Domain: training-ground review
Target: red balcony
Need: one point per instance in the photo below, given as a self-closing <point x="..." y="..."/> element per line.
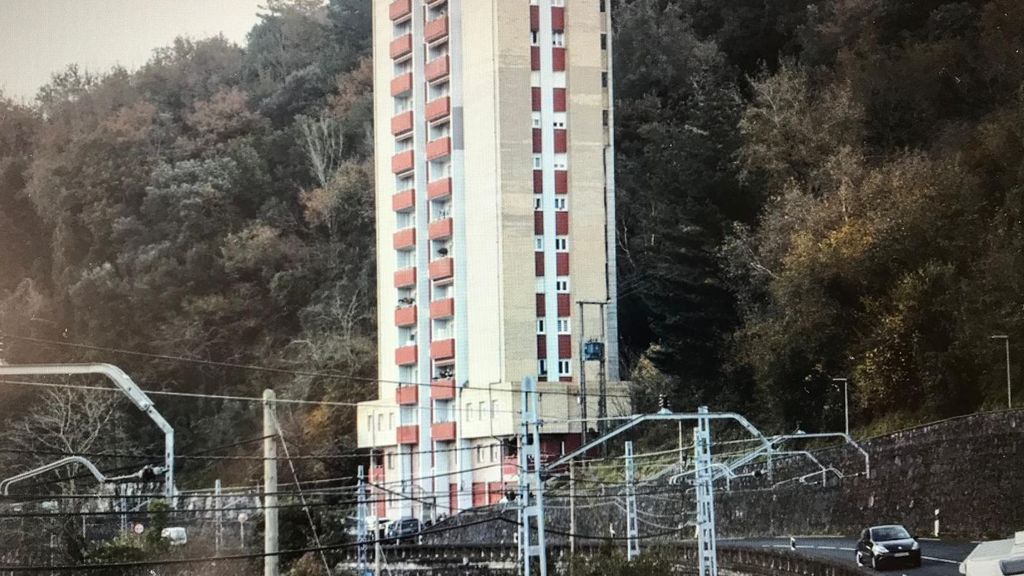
<point x="561" y="141"/>
<point x="558" y="59"/>
<point x="439" y="148"/>
<point x="542" y="305"/>
<point x="401" y="123"/>
<point x="442" y="308"/>
<point x="438" y="108"/>
<point x="557" y="18"/>
<point x="542" y="346"/>
<point x="439" y="188"/>
<point x="535" y="58"/>
<point x="403" y="201"/>
<point x="442" y="389"/>
<point x="562" y="263"/>
<point x="405" y="277"/>
<point x="561" y="181"/>
<point x="405" y="239"/>
<point x="538" y="222"/>
<point x="405" y="355"/>
<point x="564" y="306"/>
<point x="377" y="474"/>
<point x="561" y="223"/>
<point x="442" y="349"/>
<point x="402" y="162"/>
<point x="559" y="99"/>
<point x="538" y="141"/>
<point x="443" y="431"/>
<point x="408" y="434"/>
<point x="440" y="229"/>
<point x="400" y="9"/>
<point x="407" y="395"/>
<point x="401" y="84"/>
<point x="436" y="68"/>
<point x="405" y="316"/>
<point x="436" y="29"/>
<point x="401" y="46"/>
<point x="442" y="268"/>
<point x="564" y="346"/>
<point x="510" y="466"/>
<point x="538" y="264"/>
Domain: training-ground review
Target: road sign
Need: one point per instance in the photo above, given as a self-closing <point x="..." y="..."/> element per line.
<point x="138" y="528"/>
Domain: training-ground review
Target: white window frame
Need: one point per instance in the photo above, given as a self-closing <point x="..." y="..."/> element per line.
<point x="562" y="285"/>
<point x="564" y="326"/>
<point x="540" y="326"/>
<point x="565" y="367"/>
<point x="561" y="243"/>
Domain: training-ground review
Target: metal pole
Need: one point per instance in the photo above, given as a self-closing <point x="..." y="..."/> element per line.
<point x="1009" y="392"/>
<point x="602" y="399"/>
<point x="531" y="515"/>
<point x="361" y="532"/>
<point x="846" y="401"/>
<point x="271" y="562"/>
<point x="583" y="377"/>
<point x="218" y="538"/>
<point x="705" y="495"/>
<point x="572" y="509"/>
<point x="632" y="529"/>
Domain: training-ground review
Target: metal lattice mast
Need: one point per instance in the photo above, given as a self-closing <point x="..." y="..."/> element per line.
<point x="704" y="482"/>
<point x="531" y="514"/>
<point x="362" y="534"/>
<point x="632" y="530"/>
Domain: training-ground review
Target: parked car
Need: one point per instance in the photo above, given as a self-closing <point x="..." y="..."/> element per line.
<point x="404" y="528"/>
<point x="888" y="545"/>
<point x="996" y="558"/>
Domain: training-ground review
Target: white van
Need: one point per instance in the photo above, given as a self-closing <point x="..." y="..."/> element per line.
<point x="996" y="558"/>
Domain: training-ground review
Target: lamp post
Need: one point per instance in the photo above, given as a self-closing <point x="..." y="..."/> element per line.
<point x="1006" y="340"/>
<point x="846" y="401"/>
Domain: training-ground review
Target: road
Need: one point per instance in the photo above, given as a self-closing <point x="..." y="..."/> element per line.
<point x="939" y="558"/>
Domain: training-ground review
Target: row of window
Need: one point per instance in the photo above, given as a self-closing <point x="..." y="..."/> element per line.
<point x="564" y="326"/>
<point x="561" y="285"/>
<point x="564" y="367"/>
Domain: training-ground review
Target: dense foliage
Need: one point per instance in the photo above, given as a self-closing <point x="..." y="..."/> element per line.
<point x="818" y="190"/>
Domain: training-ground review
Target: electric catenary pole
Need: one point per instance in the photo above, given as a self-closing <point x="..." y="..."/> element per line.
<point x="531" y="487"/>
<point x="632" y="529"/>
<point x="362" y="535"/>
<point x="704" y="479"/>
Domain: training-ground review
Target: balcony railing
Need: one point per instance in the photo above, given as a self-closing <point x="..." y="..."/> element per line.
<point x="438" y="108"/>
<point x="405" y="355"/>
<point x="401" y="84"/>
<point x="403" y="201"/>
<point x="442" y="349"/>
<point x="442" y="389"/>
<point x="406" y="395"/>
<point x="401" y="46"/>
<point x="401" y="123"/>
<point x="444" y="308"/>
<point x="408" y="434"/>
<point x="442" y="268"/>
<point x="439" y="188"/>
<point x="437" y="68"/>
<point x="400" y="9"/>
<point x="439" y="229"/>
<point x="405" y="277"/>
<point x="405" y="316"/>
<point x="439" y="148"/>
<point x="404" y="239"/>
<point x="443" y="431"/>
<point x="436" y="29"/>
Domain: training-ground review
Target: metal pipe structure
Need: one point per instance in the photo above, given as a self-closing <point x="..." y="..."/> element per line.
<point x="130" y="389"/>
<point x="6" y="484"/>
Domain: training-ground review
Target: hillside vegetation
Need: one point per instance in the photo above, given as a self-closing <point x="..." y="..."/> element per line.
<point x="807" y="190"/>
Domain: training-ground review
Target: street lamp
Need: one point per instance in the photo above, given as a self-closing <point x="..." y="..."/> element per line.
<point x="1006" y="339"/>
<point x="846" y="401"/>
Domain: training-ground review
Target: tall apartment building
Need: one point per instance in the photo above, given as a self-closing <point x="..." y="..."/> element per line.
<point x="495" y="218"/>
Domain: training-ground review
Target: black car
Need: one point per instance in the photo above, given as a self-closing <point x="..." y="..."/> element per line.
<point x="888" y="545"/>
<point x="404" y="528"/>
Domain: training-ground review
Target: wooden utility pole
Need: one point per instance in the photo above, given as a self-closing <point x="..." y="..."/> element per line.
<point x="271" y="564"/>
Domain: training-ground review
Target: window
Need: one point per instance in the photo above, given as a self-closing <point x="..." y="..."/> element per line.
<point x="603" y="7"/>
<point x="469" y="411"/>
<point x="494" y="452"/>
<point x="538" y="243"/>
<point x="479" y="453"/>
<point x="558" y="39"/>
<point x="391" y="460"/>
<point x="604" y="79"/>
<point x="494" y="407"/>
<point x="391" y="420"/>
<point x="542" y="367"/>
<point x="369" y="422"/>
<point x="562" y="285"/>
<point x="561" y="203"/>
<point x="407" y="415"/>
<point x="559" y="124"/>
<point x="564" y="367"/>
<point x="540" y="326"/>
<point x="563" y="325"/>
<point x="533" y="38"/>
<point x="604" y="117"/>
<point x="539" y="283"/>
<point x="561" y="161"/>
<point x="561" y="244"/>
<point x="380" y="422"/>
<point x="538" y="201"/>
<point x="536" y="120"/>
<point x="604" y="41"/>
<point x="537" y="162"/>
<point x="482" y="407"/>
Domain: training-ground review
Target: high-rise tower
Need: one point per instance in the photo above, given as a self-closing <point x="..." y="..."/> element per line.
<point x="495" y="218"/>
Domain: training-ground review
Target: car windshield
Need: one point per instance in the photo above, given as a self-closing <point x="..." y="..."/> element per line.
<point x="886" y="533"/>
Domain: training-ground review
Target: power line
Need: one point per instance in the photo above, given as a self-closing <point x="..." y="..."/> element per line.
<point x="255" y="368"/>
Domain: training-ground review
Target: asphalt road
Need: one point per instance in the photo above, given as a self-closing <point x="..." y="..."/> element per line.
<point x="939" y="558"/>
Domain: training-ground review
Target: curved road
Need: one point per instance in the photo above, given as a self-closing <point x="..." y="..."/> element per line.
<point x="939" y="557"/>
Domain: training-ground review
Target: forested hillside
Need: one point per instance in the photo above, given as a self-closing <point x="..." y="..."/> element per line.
<point x="808" y="190"/>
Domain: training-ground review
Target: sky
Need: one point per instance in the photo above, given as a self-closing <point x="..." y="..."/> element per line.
<point x="40" y="37"/>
